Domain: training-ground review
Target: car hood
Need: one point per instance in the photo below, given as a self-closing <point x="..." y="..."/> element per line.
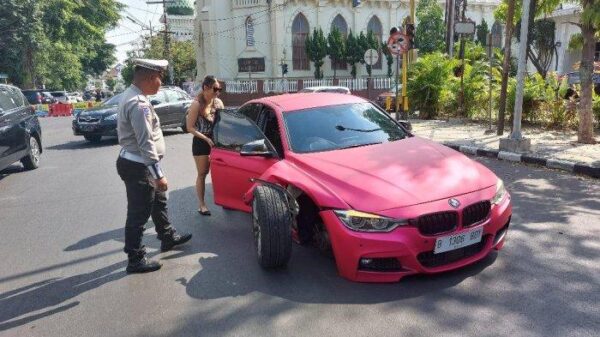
<point x="100" y="111"/>
<point x="395" y="174"/>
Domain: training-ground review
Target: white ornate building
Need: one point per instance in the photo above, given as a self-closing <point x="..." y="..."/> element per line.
<point x="180" y="19"/>
<point x="241" y="39"/>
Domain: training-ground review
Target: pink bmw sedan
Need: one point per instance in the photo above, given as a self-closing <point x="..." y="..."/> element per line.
<point x="336" y="172"/>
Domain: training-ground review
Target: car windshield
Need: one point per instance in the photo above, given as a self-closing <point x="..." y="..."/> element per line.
<point x="58" y="93"/>
<point x="113" y="100"/>
<point x="340" y="127"/>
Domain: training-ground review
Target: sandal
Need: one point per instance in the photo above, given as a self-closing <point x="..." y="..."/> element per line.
<point x="206" y="213"/>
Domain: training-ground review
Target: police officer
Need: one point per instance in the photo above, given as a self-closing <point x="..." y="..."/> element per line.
<point x="138" y="166"/>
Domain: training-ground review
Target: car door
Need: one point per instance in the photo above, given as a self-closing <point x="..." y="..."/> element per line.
<point x="161" y="106"/>
<point x="12" y="133"/>
<point x="174" y="107"/>
<point x="230" y="172"/>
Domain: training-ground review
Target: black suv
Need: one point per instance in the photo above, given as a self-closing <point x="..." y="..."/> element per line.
<point x="36" y="96"/>
<point x="20" y="131"/>
<point x="170" y="103"/>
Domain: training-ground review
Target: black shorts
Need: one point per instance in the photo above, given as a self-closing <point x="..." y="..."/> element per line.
<point x="200" y="147"/>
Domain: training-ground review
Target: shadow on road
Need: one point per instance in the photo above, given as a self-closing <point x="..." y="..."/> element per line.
<point x="84" y="144"/>
<point x="14" y="168"/>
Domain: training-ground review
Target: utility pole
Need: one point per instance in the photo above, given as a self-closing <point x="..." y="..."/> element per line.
<point x="505" y="67"/>
<point x="167" y="43"/>
<point x="451" y="29"/>
<point x="516" y="142"/>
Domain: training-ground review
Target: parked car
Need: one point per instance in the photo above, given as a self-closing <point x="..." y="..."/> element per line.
<point x="76" y="96"/>
<point x="381" y="98"/>
<point x="63" y="97"/>
<point x="337" y="89"/>
<point x="338" y="172"/>
<point x="20" y="131"/>
<point x="36" y="96"/>
<point x="171" y="105"/>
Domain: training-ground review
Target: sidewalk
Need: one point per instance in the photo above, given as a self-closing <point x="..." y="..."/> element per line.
<point x="551" y="148"/>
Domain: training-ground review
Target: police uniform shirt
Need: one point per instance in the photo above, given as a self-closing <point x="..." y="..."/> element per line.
<point x="139" y="130"/>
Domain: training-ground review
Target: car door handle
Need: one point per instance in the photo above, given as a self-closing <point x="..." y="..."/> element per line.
<point x="219" y="160"/>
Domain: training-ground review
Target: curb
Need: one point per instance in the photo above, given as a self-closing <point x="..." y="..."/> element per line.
<point x="563" y="165"/>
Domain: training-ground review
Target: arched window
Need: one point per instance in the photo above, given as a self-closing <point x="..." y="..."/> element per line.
<point x="249" y="32"/>
<point x="374" y="26"/>
<point x="300" y="32"/>
<point x="341" y="25"/>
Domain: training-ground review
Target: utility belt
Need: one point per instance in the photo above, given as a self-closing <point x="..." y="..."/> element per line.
<point x="131" y="156"/>
<point x="154" y="169"/>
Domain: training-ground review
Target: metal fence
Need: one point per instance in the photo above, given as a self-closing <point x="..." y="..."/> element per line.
<point x="354" y="83"/>
<point x="241" y="87"/>
<point x="382" y="83"/>
<point x="280" y="85"/>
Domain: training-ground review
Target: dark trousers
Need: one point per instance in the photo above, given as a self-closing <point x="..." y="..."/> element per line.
<point x="143" y="201"/>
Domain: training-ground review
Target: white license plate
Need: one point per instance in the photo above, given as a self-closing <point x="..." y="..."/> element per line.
<point x="455" y="241"/>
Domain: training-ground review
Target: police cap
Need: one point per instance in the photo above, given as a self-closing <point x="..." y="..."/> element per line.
<point x="156" y="65"/>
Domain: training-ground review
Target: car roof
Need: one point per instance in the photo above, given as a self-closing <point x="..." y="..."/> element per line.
<point x="326" y="88"/>
<point x="299" y="101"/>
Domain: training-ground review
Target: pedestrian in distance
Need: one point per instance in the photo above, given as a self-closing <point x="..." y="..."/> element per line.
<point x="200" y="123"/>
<point x="138" y="165"/>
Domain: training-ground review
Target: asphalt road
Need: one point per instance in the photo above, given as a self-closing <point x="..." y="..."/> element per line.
<point x="62" y="266"/>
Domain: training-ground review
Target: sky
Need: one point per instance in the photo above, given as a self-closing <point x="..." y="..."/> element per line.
<point x="126" y="36"/>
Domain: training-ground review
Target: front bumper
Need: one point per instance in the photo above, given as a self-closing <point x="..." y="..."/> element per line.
<point x="405" y="251"/>
<point x="103" y="128"/>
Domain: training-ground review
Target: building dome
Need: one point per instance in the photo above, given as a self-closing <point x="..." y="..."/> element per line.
<point x="180" y="7"/>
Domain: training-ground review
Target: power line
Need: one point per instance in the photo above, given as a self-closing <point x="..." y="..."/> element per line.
<point x="279" y="7"/>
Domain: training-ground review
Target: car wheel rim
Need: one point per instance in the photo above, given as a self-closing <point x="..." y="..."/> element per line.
<point x="256" y="228"/>
<point x="35" y="150"/>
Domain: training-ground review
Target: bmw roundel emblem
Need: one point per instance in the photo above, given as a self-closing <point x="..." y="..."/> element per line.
<point x="454" y="203"/>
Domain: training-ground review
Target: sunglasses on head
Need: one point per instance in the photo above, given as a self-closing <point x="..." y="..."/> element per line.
<point x="215" y="89"/>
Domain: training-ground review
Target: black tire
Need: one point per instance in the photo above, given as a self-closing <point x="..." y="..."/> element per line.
<point x="32" y="160"/>
<point x="93" y="138"/>
<point x="271" y="226"/>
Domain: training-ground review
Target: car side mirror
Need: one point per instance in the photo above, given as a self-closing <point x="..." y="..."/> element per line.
<point x="257" y="148"/>
<point x="406" y="124"/>
<point x="155" y="102"/>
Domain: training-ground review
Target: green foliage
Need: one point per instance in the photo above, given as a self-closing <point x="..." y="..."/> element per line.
<point x="336" y="47"/>
<point x="355" y="51"/>
<point x="111" y="83"/>
<point x="371" y="43"/>
<point x="183" y="56"/>
<point x="388" y="57"/>
<point x="429" y="34"/>
<point x="428" y="83"/>
<point x="316" y="50"/>
<point x="482" y="32"/>
<point x="56" y="43"/>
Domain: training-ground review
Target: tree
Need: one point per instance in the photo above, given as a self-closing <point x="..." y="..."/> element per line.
<point x="110" y="83"/>
<point x="316" y="50"/>
<point x="183" y="57"/>
<point x="541" y="46"/>
<point x="388" y="57"/>
<point x="355" y="52"/>
<point x="371" y="43"/>
<point x="482" y="32"/>
<point x="429" y="34"/>
<point x="336" y="48"/>
<point x="56" y="43"/>
<point x="590" y="27"/>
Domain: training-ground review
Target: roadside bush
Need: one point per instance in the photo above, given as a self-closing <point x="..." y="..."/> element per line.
<point x="428" y="78"/>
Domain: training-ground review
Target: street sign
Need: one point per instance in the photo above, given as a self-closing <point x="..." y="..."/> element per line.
<point x="371" y="57"/>
<point x="397" y="43"/>
<point x="465" y="27"/>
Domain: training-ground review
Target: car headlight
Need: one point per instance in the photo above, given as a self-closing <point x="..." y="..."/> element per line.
<point x="365" y="222"/>
<point x="112" y="117"/>
<point x="500" y="192"/>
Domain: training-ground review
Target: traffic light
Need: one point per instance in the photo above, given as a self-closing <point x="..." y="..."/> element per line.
<point x="284" y="68"/>
<point x="410" y="33"/>
<point x="355" y="3"/>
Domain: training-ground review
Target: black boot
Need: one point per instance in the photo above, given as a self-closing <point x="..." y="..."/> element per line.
<point x="173" y="239"/>
<point x="138" y="263"/>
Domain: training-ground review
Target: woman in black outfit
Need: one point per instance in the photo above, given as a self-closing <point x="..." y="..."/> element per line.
<point x="200" y="121"/>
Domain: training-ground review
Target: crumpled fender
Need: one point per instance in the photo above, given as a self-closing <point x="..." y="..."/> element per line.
<point x="284" y="173"/>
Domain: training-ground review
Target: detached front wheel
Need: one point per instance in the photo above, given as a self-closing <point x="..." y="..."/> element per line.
<point x="271" y="226"/>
